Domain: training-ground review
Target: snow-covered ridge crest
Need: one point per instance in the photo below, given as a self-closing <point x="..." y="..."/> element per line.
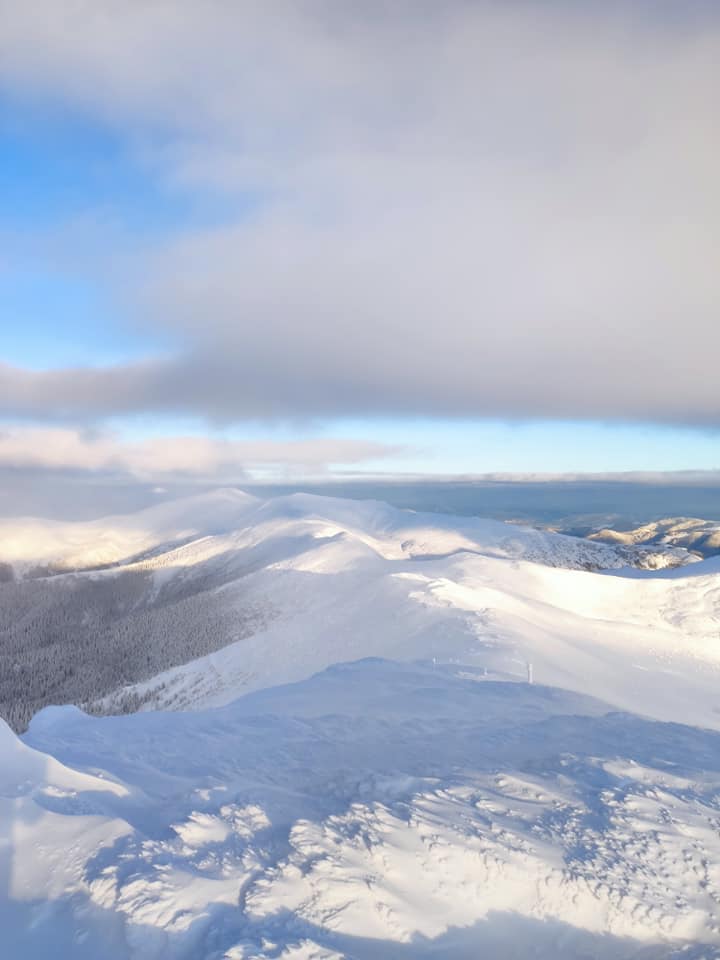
<point x="225" y="593"/>
<point x="392" y="532"/>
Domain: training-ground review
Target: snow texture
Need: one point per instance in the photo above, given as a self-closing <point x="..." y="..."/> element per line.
<point x="388" y="784"/>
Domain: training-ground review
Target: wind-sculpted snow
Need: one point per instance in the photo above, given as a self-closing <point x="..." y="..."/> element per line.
<point x="375" y="810"/>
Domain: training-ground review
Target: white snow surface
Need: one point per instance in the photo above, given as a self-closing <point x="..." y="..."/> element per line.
<point x="370" y="775"/>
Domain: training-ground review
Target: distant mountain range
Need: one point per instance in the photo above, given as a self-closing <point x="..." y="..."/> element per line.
<point x="700" y="537"/>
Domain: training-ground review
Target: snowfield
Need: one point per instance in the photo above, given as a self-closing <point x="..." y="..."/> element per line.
<point x="368" y="772"/>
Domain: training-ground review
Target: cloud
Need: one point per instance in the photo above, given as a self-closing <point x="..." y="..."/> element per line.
<point x="180" y="458"/>
<point x="458" y="209"/>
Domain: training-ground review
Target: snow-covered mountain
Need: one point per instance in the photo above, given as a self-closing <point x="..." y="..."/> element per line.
<point x="688" y="533"/>
<point x="30" y="545"/>
<point x="27" y="543"/>
<point x="411" y="735"/>
<point x="175" y="584"/>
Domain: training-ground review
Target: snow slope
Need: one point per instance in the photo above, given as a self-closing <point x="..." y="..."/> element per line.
<point x="409" y="794"/>
<point x="182" y="580"/>
<point x="344" y="580"/>
<point x="375" y="810"/>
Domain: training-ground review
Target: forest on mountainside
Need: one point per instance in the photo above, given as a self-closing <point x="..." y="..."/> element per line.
<point x="76" y="638"/>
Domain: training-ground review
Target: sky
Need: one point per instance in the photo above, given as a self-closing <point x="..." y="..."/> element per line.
<point x="321" y="237"/>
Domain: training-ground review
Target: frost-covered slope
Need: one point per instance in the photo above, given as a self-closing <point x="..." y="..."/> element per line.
<point x="376" y="810"/>
<point x="426" y="802"/>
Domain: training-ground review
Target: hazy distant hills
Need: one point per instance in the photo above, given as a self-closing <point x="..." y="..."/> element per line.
<point x="376" y="733"/>
<point x="701" y="537"/>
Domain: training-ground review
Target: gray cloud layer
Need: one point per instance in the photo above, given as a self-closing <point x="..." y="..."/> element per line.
<point x="505" y="209"/>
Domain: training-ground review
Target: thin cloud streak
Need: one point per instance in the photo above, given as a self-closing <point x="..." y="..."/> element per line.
<point x="181" y="457"/>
